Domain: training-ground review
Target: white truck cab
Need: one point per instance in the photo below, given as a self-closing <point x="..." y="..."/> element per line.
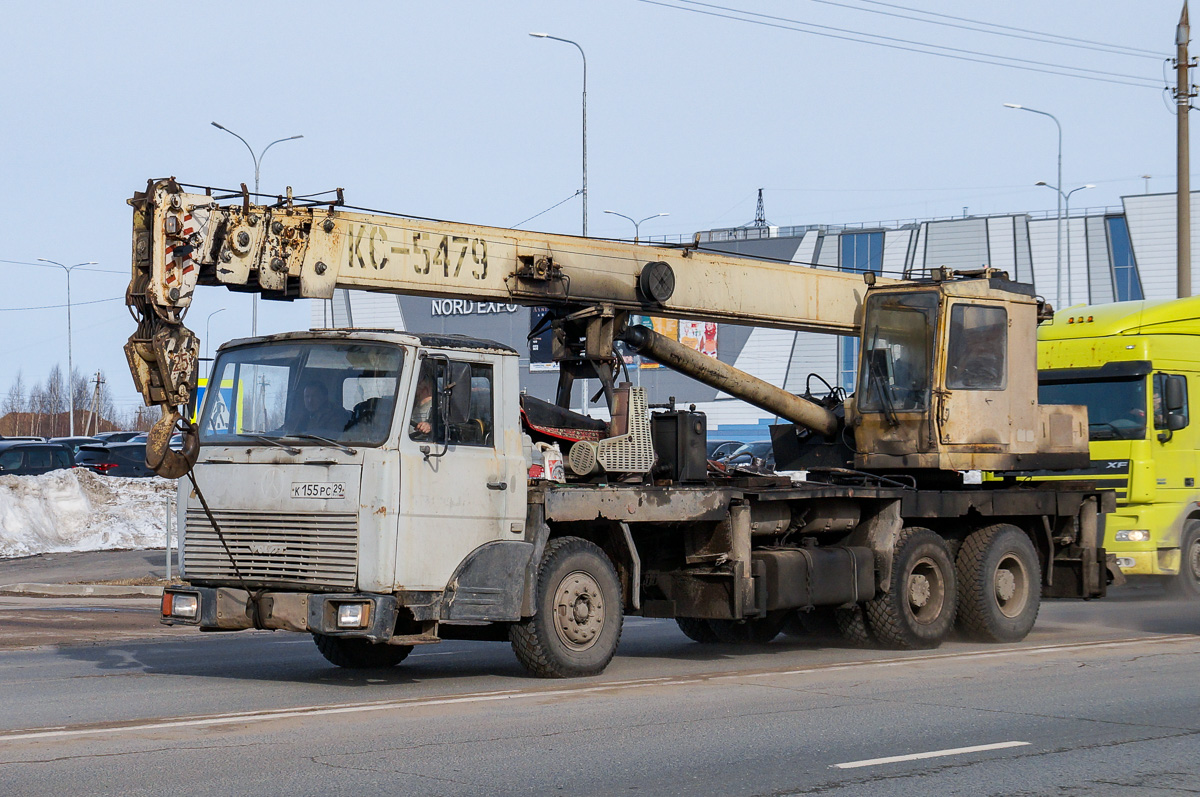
<point x="326" y="474"/>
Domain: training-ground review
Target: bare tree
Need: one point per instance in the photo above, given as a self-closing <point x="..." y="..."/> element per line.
<point x="14" y="404"/>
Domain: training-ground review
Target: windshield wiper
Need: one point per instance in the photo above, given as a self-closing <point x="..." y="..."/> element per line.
<point x="290" y="449"/>
<point x="325" y="440"/>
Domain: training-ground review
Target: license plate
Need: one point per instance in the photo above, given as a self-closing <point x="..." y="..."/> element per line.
<point x="318" y="489"/>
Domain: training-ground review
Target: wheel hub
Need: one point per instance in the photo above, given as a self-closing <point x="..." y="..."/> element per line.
<point x="1006" y="585"/>
<point x="578" y="610"/>
<point x="919" y="590"/>
<point x="1194" y="559"/>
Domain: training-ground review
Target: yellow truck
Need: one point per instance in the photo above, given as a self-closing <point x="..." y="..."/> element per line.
<point x="1135" y="366"/>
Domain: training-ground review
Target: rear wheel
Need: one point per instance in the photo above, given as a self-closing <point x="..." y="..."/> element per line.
<point x="1187" y="583"/>
<point x="852" y="625"/>
<point x="917" y="611"/>
<point x="696" y="629"/>
<point x="578" y="622"/>
<point x="999" y="584"/>
<point x="360" y="654"/>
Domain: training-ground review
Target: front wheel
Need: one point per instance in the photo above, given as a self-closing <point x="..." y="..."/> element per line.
<point x="577" y="626"/>
<point x="999" y="584"/>
<point x="917" y="611"/>
<point x="1187" y="583"/>
<point x="360" y="654"/>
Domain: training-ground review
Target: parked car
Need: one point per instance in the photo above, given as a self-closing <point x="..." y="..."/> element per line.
<point x="117" y="437"/>
<point x="74" y="443"/>
<point x="176" y="440"/>
<point x="719" y="449"/>
<point x="114" y="459"/>
<point x="747" y="454"/>
<point x="27" y="458"/>
<point x="27" y="438"/>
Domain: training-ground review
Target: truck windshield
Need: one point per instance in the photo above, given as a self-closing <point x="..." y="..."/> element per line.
<point x="1116" y="407"/>
<point x="895" y="364"/>
<point x="301" y="392"/>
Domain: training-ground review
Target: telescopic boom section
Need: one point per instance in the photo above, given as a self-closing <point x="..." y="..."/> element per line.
<point x="292" y="250"/>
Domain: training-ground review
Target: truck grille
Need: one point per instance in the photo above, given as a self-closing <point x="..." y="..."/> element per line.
<point x="308" y="549"/>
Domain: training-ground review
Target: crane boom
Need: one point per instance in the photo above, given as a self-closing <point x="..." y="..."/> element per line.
<point x="296" y="250"/>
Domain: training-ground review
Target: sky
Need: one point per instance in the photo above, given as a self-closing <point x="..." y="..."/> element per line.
<point x="450" y="110"/>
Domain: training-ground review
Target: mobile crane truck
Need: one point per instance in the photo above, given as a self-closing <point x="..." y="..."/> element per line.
<point x="382" y="489"/>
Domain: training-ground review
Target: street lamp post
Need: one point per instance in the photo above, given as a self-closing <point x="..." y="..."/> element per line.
<point x="257" y="164"/>
<point x="636" y="224"/>
<point x="1066" y="200"/>
<point x="70" y="357"/>
<point x="206" y="337"/>
<point x="1058" y="288"/>
<point x="584" y="191"/>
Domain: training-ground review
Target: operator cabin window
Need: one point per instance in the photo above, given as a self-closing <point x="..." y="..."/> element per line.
<point x="977" y="357"/>
<point x="452" y="404"/>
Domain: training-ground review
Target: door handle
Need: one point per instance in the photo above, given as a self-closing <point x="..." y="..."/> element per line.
<point x="497" y="485"/>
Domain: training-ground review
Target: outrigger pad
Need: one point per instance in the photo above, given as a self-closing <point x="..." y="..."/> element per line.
<point x="550" y="423"/>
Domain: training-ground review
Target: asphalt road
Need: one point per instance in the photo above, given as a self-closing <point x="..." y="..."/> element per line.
<point x="1101" y="699"/>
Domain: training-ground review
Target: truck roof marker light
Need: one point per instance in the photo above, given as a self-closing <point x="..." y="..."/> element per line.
<point x="1071" y="320"/>
<point x="1090" y="319"/>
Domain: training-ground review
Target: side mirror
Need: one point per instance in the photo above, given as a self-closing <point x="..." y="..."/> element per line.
<point x="1175" y="399"/>
<point x="1176" y="421"/>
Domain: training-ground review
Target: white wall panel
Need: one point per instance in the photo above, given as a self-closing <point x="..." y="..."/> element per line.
<point x="895" y="250"/>
<point x="1043" y="250"/>
<point x="1002" y="244"/>
<point x="806" y="249"/>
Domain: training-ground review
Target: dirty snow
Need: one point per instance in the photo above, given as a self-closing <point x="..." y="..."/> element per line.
<point x="78" y="510"/>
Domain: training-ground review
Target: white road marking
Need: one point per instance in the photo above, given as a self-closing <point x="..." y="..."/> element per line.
<point x="265" y="715"/>
<point x="979" y="748"/>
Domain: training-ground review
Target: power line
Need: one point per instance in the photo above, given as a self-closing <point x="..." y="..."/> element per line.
<point x="78" y="268"/>
<point x="57" y="306"/>
<point x="894" y="43"/>
<point x="547" y="210"/>
<point x="1065" y="39"/>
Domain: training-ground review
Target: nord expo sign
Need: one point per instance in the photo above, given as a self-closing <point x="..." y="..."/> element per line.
<point x="463" y="307"/>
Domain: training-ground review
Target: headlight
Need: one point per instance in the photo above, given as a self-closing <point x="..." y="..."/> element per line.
<point x="1133" y="535"/>
<point x="353" y="615"/>
<point x="175" y="605"/>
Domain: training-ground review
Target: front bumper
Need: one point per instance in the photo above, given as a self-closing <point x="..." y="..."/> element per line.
<point x="229" y="609"/>
<point x="1160" y="562"/>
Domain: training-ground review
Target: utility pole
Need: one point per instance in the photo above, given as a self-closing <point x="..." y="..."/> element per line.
<point x="94" y="420"/>
<point x="1183" y="209"/>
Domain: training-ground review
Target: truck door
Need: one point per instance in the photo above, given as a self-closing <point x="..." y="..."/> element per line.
<point x="975" y="405"/>
<point x="455" y="478"/>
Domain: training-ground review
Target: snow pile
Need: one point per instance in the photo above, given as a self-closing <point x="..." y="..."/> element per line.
<point x="78" y="510"/>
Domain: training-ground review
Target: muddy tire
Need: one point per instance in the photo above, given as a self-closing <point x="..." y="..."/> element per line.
<point x="360" y="654"/>
<point x="696" y="629"/>
<point x="1187" y="583"/>
<point x="918" y="609"/>
<point x="578" y="622"/>
<point x="852" y="626"/>
<point x="756" y="631"/>
<point x="999" y="584"/>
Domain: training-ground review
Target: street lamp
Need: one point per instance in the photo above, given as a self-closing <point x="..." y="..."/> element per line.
<point x="70" y="358"/>
<point x="206" y="337"/>
<point x="568" y="41"/>
<point x="1066" y="199"/>
<point x="257" y="163"/>
<point x="1058" y="288"/>
<point x="636" y="224"/>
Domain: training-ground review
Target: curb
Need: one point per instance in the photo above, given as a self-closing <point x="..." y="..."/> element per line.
<point x="80" y="591"/>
